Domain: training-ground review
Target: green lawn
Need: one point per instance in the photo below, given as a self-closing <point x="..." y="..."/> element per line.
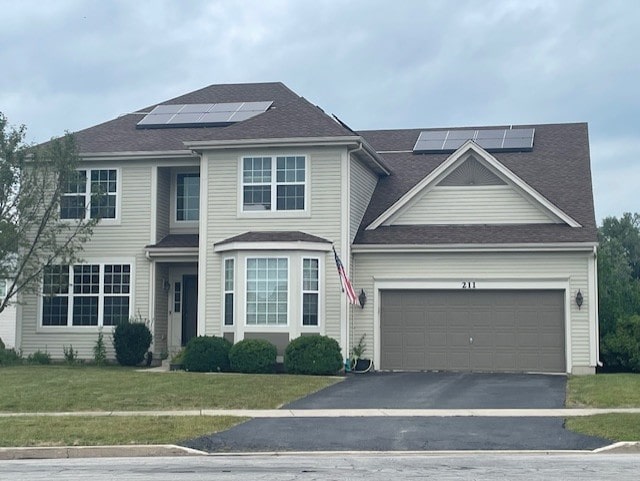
<point x="103" y="431"/>
<point x="86" y="388"/>
<point x="604" y="391"/>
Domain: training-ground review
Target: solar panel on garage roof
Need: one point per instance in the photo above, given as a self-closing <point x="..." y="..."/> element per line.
<point x="201" y="115"/>
<point x="493" y="140"/>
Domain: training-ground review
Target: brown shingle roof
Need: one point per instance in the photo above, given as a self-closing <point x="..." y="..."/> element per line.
<point x="274" y="236"/>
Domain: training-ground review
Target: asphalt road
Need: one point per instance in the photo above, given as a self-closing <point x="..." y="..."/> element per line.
<point x="528" y="467"/>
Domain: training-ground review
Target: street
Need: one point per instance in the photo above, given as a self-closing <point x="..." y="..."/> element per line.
<point x="332" y="466"/>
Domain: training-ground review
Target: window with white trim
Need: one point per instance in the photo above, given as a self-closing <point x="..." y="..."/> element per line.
<point x="86" y="294"/>
<point x="91" y="193"/>
<point x="310" y="292"/>
<point x="267" y="291"/>
<point x="284" y="191"/>
<point x="228" y="291"/>
<point x="188" y="196"/>
<point x="3" y="288"/>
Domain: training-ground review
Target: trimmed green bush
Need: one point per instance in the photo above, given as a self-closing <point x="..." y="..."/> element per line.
<point x="39" y="357"/>
<point x="131" y="341"/>
<point x="253" y="356"/>
<point x="313" y="355"/>
<point x="207" y="354"/>
<point x="621" y="348"/>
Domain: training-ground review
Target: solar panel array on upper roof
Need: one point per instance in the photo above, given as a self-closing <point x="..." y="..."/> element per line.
<point x="201" y="115"/>
<point x="493" y="140"/>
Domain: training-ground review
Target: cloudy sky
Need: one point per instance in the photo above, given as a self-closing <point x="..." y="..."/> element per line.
<point x="70" y="64"/>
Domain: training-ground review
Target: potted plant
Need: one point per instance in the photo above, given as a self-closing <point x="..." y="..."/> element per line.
<point x="358" y="363"/>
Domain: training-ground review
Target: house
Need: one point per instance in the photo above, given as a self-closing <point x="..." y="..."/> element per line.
<point x="7" y="319"/>
<point x="472" y="248"/>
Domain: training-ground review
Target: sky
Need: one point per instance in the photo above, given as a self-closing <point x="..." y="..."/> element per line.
<point x="70" y="64"/>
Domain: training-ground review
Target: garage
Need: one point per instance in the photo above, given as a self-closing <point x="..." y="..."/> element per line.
<point x="472" y="330"/>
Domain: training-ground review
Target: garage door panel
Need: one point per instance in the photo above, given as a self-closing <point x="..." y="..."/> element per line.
<point x="511" y="330"/>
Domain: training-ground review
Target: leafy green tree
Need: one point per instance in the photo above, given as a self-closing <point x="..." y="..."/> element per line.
<point x="32" y="181"/>
<point x="618" y="282"/>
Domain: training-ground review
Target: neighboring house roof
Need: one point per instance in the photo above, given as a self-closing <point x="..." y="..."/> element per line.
<point x="289" y="116"/>
<point x="558" y="168"/>
<point x="274" y="236"/>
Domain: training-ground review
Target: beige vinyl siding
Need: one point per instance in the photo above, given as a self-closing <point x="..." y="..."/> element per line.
<point x="515" y="267"/>
<point x="123" y="241"/>
<point x="224" y="221"/>
<point x="8" y="325"/>
<point x="500" y="204"/>
<point x="162" y="203"/>
<point x="363" y="183"/>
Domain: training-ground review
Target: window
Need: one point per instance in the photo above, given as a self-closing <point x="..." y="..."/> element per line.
<point x="177" y="297"/>
<point x="262" y="191"/>
<point x="310" y="289"/>
<point x="188" y="197"/>
<point x="99" y="294"/>
<point x="3" y="288"/>
<point x="267" y="291"/>
<point x="228" y="292"/>
<point x="90" y="194"/>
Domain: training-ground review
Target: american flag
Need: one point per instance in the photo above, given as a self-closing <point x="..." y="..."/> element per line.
<point x="344" y="280"/>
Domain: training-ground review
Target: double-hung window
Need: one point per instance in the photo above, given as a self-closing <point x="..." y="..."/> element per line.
<point x="188" y="196"/>
<point x="90" y="194"/>
<point x="267" y="291"/>
<point x="228" y="291"/>
<point x="86" y="294"/>
<point x="274" y="183"/>
<point x="310" y="292"/>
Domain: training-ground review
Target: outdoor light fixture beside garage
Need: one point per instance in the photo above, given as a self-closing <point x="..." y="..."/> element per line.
<point x="579" y="299"/>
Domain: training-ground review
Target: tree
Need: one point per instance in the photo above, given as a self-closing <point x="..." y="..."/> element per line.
<point x="618" y="282"/>
<point x="32" y="183"/>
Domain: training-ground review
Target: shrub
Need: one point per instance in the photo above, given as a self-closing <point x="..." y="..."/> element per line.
<point x="9" y="357"/>
<point x="70" y="355"/>
<point x="207" y="354"/>
<point x="253" y="356"/>
<point x="39" y="357"/>
<point x="621" y="348"/>
<point x="100" y="350"/>
<point x="131" y="341"/>
<point x="313" y="355"/>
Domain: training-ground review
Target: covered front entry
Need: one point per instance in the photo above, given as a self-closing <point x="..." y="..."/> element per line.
<point x="473" y="330"/>
<point x="183" y="306"/>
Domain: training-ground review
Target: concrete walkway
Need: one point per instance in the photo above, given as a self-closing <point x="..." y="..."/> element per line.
<point x="340" y="413"/>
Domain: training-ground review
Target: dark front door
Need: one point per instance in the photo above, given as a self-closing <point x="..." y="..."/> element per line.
<point x="189" y="307"/>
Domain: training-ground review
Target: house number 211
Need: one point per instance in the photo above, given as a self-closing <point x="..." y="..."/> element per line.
<point x="469" y="285"/>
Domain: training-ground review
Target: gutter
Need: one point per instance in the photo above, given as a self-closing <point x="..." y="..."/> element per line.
<point x="417" y="248"/>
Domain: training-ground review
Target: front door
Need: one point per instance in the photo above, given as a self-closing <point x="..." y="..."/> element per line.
<point x="189" y="307"/>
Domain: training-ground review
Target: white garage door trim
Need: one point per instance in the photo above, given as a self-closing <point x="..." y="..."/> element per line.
<point x="477" y="284"/>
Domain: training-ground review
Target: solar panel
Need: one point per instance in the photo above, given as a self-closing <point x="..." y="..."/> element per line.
<point x="493" y="140"/>
<point x="201" y="115"/>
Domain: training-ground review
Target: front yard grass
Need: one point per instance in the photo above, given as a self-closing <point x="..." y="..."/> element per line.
<point x="604" y="391"/>
<point x="88" y="388"/>
<point x="103" y="431"/>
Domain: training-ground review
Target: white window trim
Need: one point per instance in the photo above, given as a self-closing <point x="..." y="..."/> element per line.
<point x="226" y="326"/>
<point x="261" y="327"/>
<point x="70" y="327"/>
<point x="104" y="221"/>
<point x="189" y="226"/>
<point x="274" y="213"/>
<point x="319" y="292"/>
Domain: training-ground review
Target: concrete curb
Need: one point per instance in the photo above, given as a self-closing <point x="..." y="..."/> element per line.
<point x="337" y="413"/>
<point x="170" y="450"/>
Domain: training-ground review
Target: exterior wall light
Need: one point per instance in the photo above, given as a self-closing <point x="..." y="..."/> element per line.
<point x="362" y="298"/>
<point x="579" y="299"/>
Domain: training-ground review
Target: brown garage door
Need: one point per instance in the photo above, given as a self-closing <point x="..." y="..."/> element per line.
<point x="472" y="330"/>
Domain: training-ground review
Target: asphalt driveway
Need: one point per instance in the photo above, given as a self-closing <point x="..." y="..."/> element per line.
<point x="414" y="391"/>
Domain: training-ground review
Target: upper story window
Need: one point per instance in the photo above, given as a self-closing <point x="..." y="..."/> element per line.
<point x="78" y="200"/>
<point x="274" y="183"/>
<point x="188" y="197"/>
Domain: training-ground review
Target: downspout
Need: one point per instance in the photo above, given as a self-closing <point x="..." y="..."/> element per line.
<point x="597" y="305"/>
